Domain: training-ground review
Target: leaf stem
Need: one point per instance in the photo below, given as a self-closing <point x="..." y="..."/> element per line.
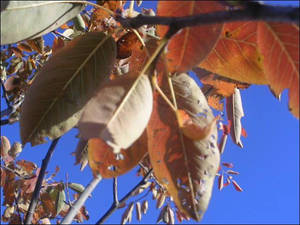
<point x="114" y="207"/>
<point x="83" y="197"/>
<point x="115" y="191"/>
<point x="38" y="185"/>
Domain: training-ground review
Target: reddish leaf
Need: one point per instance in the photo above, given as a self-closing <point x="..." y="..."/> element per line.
<point x="184" y="49"/>
<point x="214" y="102"/>
<point x="227" y="182"/>
<point x="48" y="203"/>
<point x="220" y="182"/>
<point x="24" y="47"/>
<point x="236" y="54"/>
<point x="236" y="186"/>
<point x="279" y="45"/>
<point x="17" y="52"/>
<point x="126" y="43"/>
<point x="232" y="172"/>
<point x="102" y="159"/>
<point x="9" y="188"/>
<point x="27" y="166"/>
<point x="12" y="83"/>
<point x="37" y="44"/>
<point x="228" y="165"/>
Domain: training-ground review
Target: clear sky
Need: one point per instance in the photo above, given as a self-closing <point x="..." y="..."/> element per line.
<point x="268" y="166"/>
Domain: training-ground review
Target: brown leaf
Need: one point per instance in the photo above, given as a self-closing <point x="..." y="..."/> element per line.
<point x="184" y="49"/>
<point x="186" y="168"/>
<point x="126" y="44"/>
<point x="102" y="159"/>
<point x="12" y="83"/>
<point x="24" y="47"/>
<point x="16" y="51"/>
<point x="81" y="154"/>
<point x="48" y="203"/>
<point x="58" y="43"/>
<point x="160" y="200"/>
<point x="37" y="44"/>
<point x="9" y="188"/>
<point x="27" y="166"/>
<point x="228" y="165"/>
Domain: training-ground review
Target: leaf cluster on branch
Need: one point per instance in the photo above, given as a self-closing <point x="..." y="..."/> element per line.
<point x="120" y="78"/>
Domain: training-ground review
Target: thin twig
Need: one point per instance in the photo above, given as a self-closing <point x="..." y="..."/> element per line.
<point x="68" y="191"/>
<point x="127" y="196"/>
<point x="115" y="191"/>
<point x="254" y="11"/>
<point x="26" y="177"/>
<point x="4" y="122"/>
<point x="83" y="197"/>
<point x="38" y="185"/>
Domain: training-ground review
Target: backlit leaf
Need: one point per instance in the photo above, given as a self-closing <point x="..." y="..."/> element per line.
<point x="119" y="112"/>
<point x="279" y="45"/>
<point x="45" y="15"/>
<point x="236" y="54"/>
<point x="236" y="186"/>
<point x="102" y="159"/>
<point x="186" y="168"/>
<point x="190" y="45"/>
<point x="54" y="101"/>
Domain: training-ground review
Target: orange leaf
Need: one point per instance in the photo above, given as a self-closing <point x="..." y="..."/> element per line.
<point x="183" y="166"/>
<point x="126" y="43"/>
<point x="24" y="47"/>
<point x="279" y="44"/>
<point x="236" y="54"/>
<point x="193" y="130"/>
<point x="102" y="159"/>
<point x="190" y="45"/>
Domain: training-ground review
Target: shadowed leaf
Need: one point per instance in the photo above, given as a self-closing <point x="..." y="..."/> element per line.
<point x="45" y="15"/>
<point x="119" y="112"/>
<point x="54" y="101"/>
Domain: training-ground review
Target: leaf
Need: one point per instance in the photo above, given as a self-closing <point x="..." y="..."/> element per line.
<point x="126" y="43"/>
<point x="54" y="101"/>
<point x="5" y="146"/>
<point x="279" y="45"/>
<point x="48" y="203"/>
<point x="79" y="188"/>
<point x="235" y="112"/>
<point x="127" y="215"/>
<point x="60" y="201"/>
<point x="228" y="165"/>
<point x="9" y="188"/>
<point x="102" y="159"/>
<point x="192" y="130"/>
<point x="162" y="214"/>
<point x="236" y="186"/>
<point x="236" y="55"/>
<point x="232" y="172"/>
<point x="186" y="168"/>
<point x="24" y="47"/>
<point x="160" y="200"/>
<point x="15" y="150"/>
<point x="171" y="216"/>
<point x="138" y="211"/>
<point x="27" y="166"/>
<point x="17" y="28"/>
<point x="223" y="86"/>
<point x="37" y="44"/>
<point x="220" y="182"/>
<point x="145" y="206"/>
<point x="123" y="104"/>
<point x="184" y="49"/>
<point x="81" y="154"/>
<point x="58" y="44"/>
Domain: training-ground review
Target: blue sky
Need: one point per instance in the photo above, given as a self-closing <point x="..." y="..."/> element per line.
<point x="268" y="166"/>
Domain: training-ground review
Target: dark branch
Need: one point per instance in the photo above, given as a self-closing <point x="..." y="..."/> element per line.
<point x="35" y="195"/>
<point x="4" y="122"/>
<point x="254" y="11"/>
<point x="114" y="207"/>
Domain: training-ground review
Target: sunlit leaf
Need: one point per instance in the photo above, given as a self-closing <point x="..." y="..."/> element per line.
<point x="235" y="112"/>
<point x="279" y="45"/>
<point x="123" y="104"/>
<point x="138" y="211"/>
<point x="54" y="101"/>
<point x="236" y="54"/>
<point x="185" y="50"/>
<point x="17" y="28"/>
<point x="186" y="168"/>
<point x="236" y="186"/>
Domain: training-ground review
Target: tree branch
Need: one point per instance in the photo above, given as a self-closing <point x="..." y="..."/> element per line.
<point x="252" y="11"/>
<point x="83" y="197"/>
<point x="35" y="195"/>
<point x="115" y="191"/>
<point x="114" y="207"/>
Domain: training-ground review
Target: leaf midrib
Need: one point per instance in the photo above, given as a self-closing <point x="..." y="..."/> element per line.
<point x="66" y="86"/>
